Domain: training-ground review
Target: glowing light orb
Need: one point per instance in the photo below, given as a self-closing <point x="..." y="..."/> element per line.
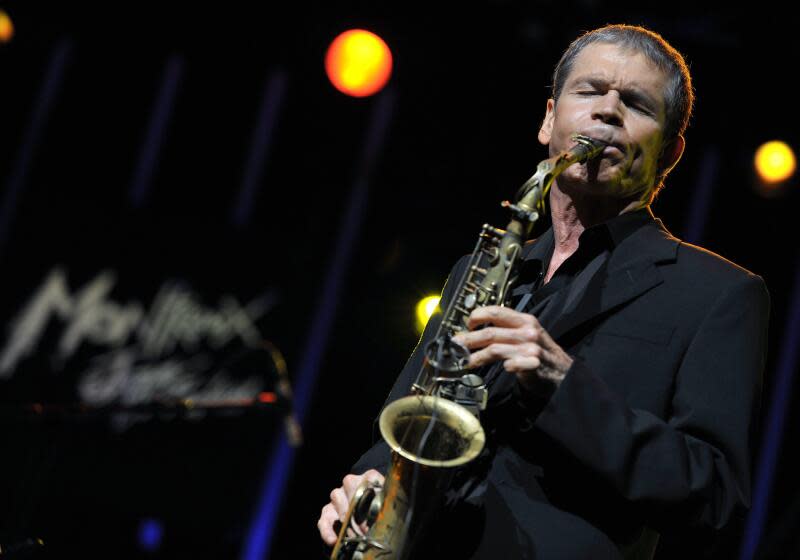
<point x="425" y="308"/>
<point x="151" y="533"/>
<point x="775" y="162"/>
<point x="6" y="27"/>
<point x="358" y="63"/>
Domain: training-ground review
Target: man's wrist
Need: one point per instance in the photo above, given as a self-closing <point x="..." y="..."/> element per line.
<point x="544" y="380"/>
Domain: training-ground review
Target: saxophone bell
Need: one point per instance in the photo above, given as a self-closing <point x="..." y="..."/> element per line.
<point x="430" y="438"/>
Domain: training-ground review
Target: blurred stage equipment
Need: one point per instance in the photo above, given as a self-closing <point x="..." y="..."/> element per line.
<point x="22" y="549"/>
<point x="358" y="63"/>
<point x="243" y="364"/>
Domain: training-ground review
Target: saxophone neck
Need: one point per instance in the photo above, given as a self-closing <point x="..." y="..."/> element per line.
<point x="531" y="195"/>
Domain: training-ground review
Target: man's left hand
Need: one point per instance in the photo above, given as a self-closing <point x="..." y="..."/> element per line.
<point x="518" y="339"/>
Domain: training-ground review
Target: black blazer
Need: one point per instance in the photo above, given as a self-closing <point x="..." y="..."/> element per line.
<point x="652" y="430"/>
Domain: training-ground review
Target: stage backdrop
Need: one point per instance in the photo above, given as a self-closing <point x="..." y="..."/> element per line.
<point x="187" y="204"/>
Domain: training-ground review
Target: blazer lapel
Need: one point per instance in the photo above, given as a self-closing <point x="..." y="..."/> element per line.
<point x="631" y="270"/>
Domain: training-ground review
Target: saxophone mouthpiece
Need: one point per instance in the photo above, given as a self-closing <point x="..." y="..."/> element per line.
<point x="587" y="147"/>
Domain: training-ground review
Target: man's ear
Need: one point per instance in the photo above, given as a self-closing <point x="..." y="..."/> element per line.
<point x="546" y="131"/>
<point x="671" y="155"/>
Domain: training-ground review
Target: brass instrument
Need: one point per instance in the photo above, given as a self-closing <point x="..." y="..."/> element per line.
<point x="436" y="428"/>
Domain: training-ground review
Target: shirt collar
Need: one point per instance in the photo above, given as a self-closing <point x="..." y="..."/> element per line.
<point x="613" y="232"/>
<point x="619" y="227"/>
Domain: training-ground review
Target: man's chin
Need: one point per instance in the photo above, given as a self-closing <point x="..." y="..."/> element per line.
<point x="598" y="185"/>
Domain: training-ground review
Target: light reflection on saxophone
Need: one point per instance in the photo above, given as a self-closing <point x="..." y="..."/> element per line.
<point x="436" y="429"/>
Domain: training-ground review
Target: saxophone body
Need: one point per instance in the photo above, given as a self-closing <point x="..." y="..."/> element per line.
<point x="437" y="429"/>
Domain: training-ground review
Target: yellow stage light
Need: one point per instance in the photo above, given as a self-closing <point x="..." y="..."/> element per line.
<point x="425" y="308"/>
<point x="6" y="27"/>
<point x="358" y="63"/>
<point x="775" y="162"/>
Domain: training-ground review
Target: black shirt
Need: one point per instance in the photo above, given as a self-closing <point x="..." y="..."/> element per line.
<point x="595" y="245"/>
<point x="549" y="302"/>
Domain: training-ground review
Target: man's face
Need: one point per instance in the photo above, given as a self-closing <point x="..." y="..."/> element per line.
<point x="614" y="95"/>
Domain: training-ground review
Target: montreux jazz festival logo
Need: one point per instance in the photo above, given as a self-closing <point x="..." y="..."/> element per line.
<point x="130" y="353"/>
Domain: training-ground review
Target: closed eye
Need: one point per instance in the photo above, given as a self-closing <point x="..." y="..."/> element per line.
<point x="628" y="103"/>
<point x="639" y="108"/>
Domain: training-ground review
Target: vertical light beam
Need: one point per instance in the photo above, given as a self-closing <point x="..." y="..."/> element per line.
<point x="156" y="131"/>
<point x="262" y="527"/>
<point x="260" y="147"/>
<point x="774" y="425"/>
<point x="51" y="85"/>
<point x="702" y="196"/>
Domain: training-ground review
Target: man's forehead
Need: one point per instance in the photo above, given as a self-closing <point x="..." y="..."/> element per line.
<point x="606" y="60"/>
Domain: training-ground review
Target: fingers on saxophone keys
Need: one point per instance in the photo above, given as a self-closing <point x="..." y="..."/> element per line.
<point x="350" y="484"/>
<point x="374" y="476"/>
<point x="490" y="354"/>
<point x="340" y="501"/>
<point x="327" y="519"/>
<point x="522" y="364"/>
<point x="505" y="352"/>
<point x="500" y="316"/>
<point x="491" y="335"/>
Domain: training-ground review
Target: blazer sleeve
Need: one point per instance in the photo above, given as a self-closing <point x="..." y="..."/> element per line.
<point x="378" y="456"/>
<point x="693" y="468"/>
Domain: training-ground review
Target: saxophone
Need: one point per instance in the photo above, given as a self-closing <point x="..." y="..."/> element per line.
<point x="436" y="428"/>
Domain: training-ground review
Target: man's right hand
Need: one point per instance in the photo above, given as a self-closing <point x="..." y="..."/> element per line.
<point x="336" y="509"/>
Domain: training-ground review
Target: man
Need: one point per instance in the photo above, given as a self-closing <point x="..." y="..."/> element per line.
<point x="625" y="376"/>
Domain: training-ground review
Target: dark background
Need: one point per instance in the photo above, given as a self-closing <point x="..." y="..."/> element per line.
<point x="469" y="88"/>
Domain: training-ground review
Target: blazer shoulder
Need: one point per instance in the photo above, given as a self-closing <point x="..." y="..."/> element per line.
<point x="714" y="268"/>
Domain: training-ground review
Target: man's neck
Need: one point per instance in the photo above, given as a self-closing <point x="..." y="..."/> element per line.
<point x="572" y="214"/>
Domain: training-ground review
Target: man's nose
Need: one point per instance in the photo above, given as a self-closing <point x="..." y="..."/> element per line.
<point x="608" y="108"/>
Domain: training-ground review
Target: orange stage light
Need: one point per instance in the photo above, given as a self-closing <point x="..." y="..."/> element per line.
<point x="6" y="27"/>
<point x="358" y="63"/>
